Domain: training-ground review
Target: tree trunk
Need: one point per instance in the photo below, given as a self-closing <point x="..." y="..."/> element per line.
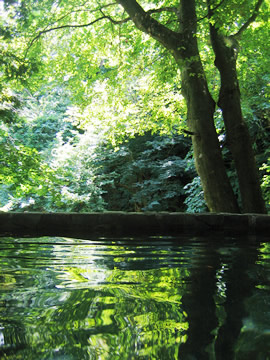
<point x="218" y="192"/>
<point x="208" y="158"/>
<point x="183" y="45"/>
<point x="238" y="138"/>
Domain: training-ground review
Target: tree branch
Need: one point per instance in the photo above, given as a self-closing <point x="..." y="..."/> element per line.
<point x="115" y="22"/>
<point x="144" y="22"/>
<point x="250" y="20"/>
<point x="166" y="8"/>
<point x="42" y="32"/>
<point x="48" y="29"/>
<point x="104" y="16"/>
<point x="150" y="12"/>
<point x="210" y="12"/>
<point x="81" y="10"/>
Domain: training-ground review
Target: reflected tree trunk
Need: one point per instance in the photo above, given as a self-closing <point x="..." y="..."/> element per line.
<point x="239" y="288"/>
<point x="211" y="336"/>
<point x="199" y="304"/>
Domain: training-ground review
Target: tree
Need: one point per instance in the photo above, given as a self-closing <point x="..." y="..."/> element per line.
<point x="179" y="30"/>
<point x="218" y="192"/>
<point x="226" y="50"/>
<point x="44" y="166"/>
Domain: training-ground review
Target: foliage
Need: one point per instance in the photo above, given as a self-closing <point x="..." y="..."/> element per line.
<point x="31" y="176"/>
<point x="73" y="165"/>
<point x="78" y="105"/>
<point x="9" y="105"/>
<point x="266" y="182"/>
<point x="254" y="80"/>
<point x="43" y="117"/>
<point x="195" y="201"/>
<point x="146" y="173"/>
<point x="22" y="172"/>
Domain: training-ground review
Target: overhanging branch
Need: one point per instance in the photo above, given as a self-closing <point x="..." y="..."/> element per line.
<point x="81" y="10"/>
<point x="104" y="16"/>
<point x="250" y="20"/>
<point x="163" y="9"/>
<point x="211" y="11"/>
<point x="49" y="27"/>
<point x="150" y="12"/>
<point x="144" y="22"/>
<point x="42" y="32"/>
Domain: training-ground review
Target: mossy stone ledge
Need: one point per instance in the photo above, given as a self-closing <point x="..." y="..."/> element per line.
<point x="122" y="224"/>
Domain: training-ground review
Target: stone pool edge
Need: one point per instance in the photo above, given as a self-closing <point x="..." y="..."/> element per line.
<point x="112" y="224"/>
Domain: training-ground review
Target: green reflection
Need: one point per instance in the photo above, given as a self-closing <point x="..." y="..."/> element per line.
<point x="150" y="299"/>
<point x="79" y="301"/>
<point x="254" y="340"/>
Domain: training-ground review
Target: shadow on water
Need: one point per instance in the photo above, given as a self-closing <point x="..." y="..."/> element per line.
<point x="155" y="298"/>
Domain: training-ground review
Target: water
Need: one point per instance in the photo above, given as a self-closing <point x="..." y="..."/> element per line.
<point x="155" y="298"/>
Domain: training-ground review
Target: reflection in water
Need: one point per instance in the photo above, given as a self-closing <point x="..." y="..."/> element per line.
<point x="129" y="299"/>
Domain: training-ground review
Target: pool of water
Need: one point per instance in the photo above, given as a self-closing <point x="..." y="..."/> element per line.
<point x="155" y="298"/>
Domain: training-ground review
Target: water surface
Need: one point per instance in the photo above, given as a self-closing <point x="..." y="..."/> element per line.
<point x="155" y="298"/>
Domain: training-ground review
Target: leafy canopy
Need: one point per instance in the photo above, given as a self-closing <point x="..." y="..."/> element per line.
<point x="87" y="69"/>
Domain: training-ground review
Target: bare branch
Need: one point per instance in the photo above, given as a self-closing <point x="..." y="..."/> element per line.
<point x="250" y="20"/>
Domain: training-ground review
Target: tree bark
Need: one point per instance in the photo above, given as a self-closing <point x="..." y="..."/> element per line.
<point x="209" y="163"/>
<point x="238" y="138"/>
<point x="218" y="192"/>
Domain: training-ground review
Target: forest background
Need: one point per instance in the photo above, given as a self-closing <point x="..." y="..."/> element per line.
<point x="92" y="112"/>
